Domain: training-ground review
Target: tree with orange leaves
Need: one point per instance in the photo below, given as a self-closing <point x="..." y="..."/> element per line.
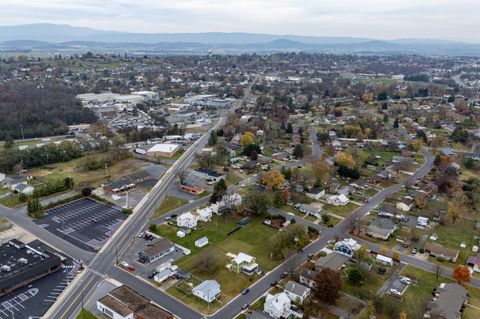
<point x="345" y="159"/>
<point x="461" y="274"/>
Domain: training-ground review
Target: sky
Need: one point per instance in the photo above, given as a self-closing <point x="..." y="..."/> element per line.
<point x="378" y="19"/>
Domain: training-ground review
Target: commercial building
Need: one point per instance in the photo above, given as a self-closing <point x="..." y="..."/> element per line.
<point x="160" y="248"/>
<point x="22" y="264"/>
<point x="125" y="303"/>
<point x="163" y="150"/>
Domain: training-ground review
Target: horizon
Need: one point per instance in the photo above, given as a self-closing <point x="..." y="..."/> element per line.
<point x="407" y="19"/>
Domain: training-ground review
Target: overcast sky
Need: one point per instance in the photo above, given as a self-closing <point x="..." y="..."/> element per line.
<point x="381" y="19"/>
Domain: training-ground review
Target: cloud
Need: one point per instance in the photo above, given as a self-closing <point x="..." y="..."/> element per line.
<point x="444" y="19"/>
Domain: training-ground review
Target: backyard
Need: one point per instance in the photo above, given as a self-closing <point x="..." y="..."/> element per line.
<point x="249" y="239"/>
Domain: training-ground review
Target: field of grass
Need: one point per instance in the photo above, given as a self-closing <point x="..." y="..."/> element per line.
<point x="85" y="314"/>
<point x="82" y="177"/>
<point x="416" y="297"/>
<point x="168" y="204"/>
<point x="451" y="235"/>
<point x="373" y="282"/>
<point x="343" y="211"/>
<point x="250" y="239"/>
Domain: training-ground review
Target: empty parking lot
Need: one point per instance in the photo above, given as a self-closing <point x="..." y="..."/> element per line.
<point x="85" y="222"/>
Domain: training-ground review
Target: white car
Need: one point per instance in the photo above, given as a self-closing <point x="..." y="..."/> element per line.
<point x="406" y="280"/>
<point x="124" y="264"/>
<point x="394" y="291"/>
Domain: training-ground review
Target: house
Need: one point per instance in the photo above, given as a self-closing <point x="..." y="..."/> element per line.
<point x="125" y="303"/>
<point x="201" y="242"/>
<point x="474" y="262"/>
<point x="208" y="290"/>
<point x="443" y="252"/>
<point x="308" y="277"/>
<point x="164" y="274"/>
<point x="243" y="263"/>
<point x="208" y="175"/>
<point x="405" y="204"/>
<point x="448" y="302"/>
<point x="187" y="220"/>
<point x="282" y="156"/>
<point x="160" y="248"/>
<point x="204" y="214"/>
<point x="163" y="150"/>
<point x="334" y="261"/>
<point x="2" y="178"/>
<point x="296" y="292"/>
<point x="338" y="200"/>
<point x="315" y="193"/>
<point x="24" y="188"/>
<point x="12" y="182"/>
<point x="447" y="151"/>
<point x="310" y="210"/>
<point x="347" y="247"/>
<point x="381" y="228"/>
<point x="277" y="306"/>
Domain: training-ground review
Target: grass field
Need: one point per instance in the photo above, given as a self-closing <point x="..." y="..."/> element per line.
<point x="250" y="239"/>
<point x="343" y="211"/>
<point x="416" y="297"/>
<point x="85" y="314"/>
<point x="168" y="204"/>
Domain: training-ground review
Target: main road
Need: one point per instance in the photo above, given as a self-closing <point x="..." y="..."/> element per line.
<point x="71" y="301"/>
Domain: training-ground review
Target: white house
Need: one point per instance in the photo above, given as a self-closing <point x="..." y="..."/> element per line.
<point x="315" y="193"/>
<point x="277" y="306"/>
<point x="296" y="292"/>
<point x="208" y="290"/>
<point x="347" y="247"/>
<point x="405" y="204"/>
<point x="2" y="178"/>
<point x="187" y="220"/>
<point x="338" y="200"/>
<point x="114" y="309"/>
<point x="204" y="214"/>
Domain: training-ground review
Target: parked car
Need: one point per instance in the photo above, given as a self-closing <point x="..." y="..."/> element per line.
<point x="310" y="256"/>
<point x="284" y="274"/>
<point x="131" y="267"/>
<point x="406" y="280"/>
<point x="152" y="274"/>
<point x="394" y="291"/>
<point x="414" y="251"/>
<point x="245" y="291"/>
<point x="124" y="264"/>
<point x="140" y="260"/>
<point x="274" y="283"/>
<point x="245" y="306"/>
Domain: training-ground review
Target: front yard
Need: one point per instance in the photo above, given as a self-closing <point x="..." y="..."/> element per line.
<point x="168" y="204"/>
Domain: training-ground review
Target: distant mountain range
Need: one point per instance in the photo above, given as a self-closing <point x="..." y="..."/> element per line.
<point x="55" y="37"/>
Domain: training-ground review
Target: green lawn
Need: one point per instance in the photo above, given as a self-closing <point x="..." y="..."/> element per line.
<point x="451" y="235"/>
<point x="416" y="296"/>
<point x="373" y="282"/>
<point x="85" y="314"/>
<point x="168" y="204"/>
<point x="250" y="239"/>
<point x="343" y="211"/>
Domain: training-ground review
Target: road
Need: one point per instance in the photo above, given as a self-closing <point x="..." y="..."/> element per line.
<point x="103" y="263"/>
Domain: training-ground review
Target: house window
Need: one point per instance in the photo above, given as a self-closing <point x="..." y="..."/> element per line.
<point x="108" y="312"/>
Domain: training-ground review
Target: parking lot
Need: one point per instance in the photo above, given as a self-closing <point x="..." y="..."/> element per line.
<point x="86" y="223"/>
<point x="35" y="299"/>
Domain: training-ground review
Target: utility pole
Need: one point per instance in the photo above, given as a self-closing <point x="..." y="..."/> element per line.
<point x="106" y="169"/>
<point x="21" y="128"/>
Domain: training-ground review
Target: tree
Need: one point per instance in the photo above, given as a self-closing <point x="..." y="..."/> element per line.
<point x="257" y="203"/>
<point x="345" y="159"/>
<point x="212" y="140"/>
<point x="403" y="315"/>
<point x="395" y="123"/>
<point x="273" y="180"/>
<point x="8" y="143"/>
<point x="298" y="151"/>
<point x="247" y="138"/>
<point x="416" y="145"/>
<point x="289" y="129"/>
<point x="382" y="96"/>
<point x="461" y="274"/>
<point x="355" y="276"/>
<point x="87" y="191"/>
<point x="68" y="182"/>
<point x="208" y="261"/>
<point x="219" y="190"/>
<point x="325" y="218"/>
<point x="361" y="254"/>
<point x="329" y="284"/>
<point x="321" y="171"/>
<point x="34" y="208"/>
<point x="457" y="206"/>
<point x="250" y="148"/>
<point x="278" y="199"/>
<point x="459" y="135"/>
<point x="153" y="228"/>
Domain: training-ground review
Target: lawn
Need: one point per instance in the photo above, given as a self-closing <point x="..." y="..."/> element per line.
<point x="168" y="204"/>
<point x="82" y="177"/>
<point x="373" y="282"/>
<point x="85" y="314"/>
<point x="343" y="211"/>
<point x="416" y="297"/>
<point x="451" y="235"/>
<point x="250" y="239"/>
